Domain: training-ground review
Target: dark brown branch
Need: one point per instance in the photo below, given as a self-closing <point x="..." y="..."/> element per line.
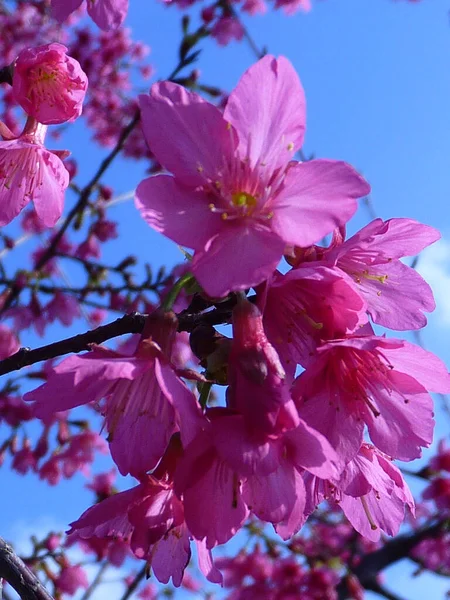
<point x="133" y="323"/>
<point x="19" y="576"/>
<point x="391" y="552"/>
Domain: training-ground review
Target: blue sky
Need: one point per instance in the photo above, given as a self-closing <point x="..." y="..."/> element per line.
<point x="377" y="85"/>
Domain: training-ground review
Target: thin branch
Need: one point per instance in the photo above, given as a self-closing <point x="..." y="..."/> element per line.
<point x="19" y="576"/>
<point x="134" y="584"/>
<point x="391" y="552"/>
<point x="96" y="581"/>
<point x="132" y="323"/>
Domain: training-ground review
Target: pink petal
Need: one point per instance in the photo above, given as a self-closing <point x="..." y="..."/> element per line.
<point x="206" y="564"/>
<point x="213" y="505"/>
<point x="400" y="237"/>
<point x="341" y="428"/>
<point x="61" y="9"/>
<point x="187" y="135"/>
<point x="49" y="197"/>
<point x="187" y="410"/>
<point x="420" y="364"/>
<point x="108" y="14"/>
<point x="140" y="422"/>
<point x="386" y="513"/>
<point x="180" y="214"/>
<point x="171" y="556"/>
<point x="238" y="258"/>
<point x="317" y="197"/>
<point x="295" y="521"/>
<point x="405" y="424"/>
<point x="272" y="497"/>
<point x="399" y="301"/>
<point x="363" y="473"/>
<point x="267" y="109"/>
<point x="310" y="450"/>
<point x="78" y="380"/>
<point x="109" y="517"/>
<point x="244" y="453"/>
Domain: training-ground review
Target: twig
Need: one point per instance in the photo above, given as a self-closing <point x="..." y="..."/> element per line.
<point x="134" y="584"/>
<point x="19" y="576"/>
<point x="96" y="581"/>
<point x="132" y="323"/>
<point x="392" y="551"/>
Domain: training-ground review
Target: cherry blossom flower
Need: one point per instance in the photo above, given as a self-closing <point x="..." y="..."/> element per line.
<point x="257" y="472"/>
<point x="144" y="396"/>
<point x="49" y="85"/>
<point x="236" y="197"/>
<point x="376" y="381"/>
<point x="306" y="306"/>
<point x="28" y="171"/>
<point x="152" y="517"/>
<point x="373" y="493"/>
<point x="396" y="294"/>
<point x="71" y="578"/>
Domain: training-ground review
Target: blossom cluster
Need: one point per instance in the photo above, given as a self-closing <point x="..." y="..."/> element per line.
<point x="317" y="405"/>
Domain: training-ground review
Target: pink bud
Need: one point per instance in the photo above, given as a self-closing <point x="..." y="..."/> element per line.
<point x="48" y="84"/>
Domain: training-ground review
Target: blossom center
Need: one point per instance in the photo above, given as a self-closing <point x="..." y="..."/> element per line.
<point x="244" y="200"/>
<point x="47" y="85"/>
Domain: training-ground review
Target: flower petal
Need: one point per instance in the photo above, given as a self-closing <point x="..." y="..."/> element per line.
<point x="180" y="214"/>
<point x="187" y="135"/>
<point x="48" y="197"/>
<point x="239" y="257"/>
<point x="267" y="109"/>
<point x="317" y="197"/>
<point x="108" y="14"/>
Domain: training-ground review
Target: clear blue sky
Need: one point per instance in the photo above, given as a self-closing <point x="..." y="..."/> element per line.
<point x="377" y="81"/>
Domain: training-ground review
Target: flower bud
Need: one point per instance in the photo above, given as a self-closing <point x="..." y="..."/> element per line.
<point x="49" y="85"/>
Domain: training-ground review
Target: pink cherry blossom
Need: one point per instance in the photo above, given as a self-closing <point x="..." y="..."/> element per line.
<point x="107" y="14"/>
<point x="396" y="294"/>
<point x="152" y="517"/>
<point x="49" y="85"/>
<point x="71" y="578"/>
<point x="373" y="493"/>
<point x="226" y="29"/>
<point x="376" y="381"/>
<point x="63" y="307"/>
<point x="28" y="171"/>
<point x="258" y="473"/>
<point x="145" y="399"/>
<point x="236" y="197"/>
<point x="308" y="305"/>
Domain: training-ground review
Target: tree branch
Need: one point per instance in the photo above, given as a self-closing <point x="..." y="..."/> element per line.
<point x="132" y="323"/>
<point x="391" y="552"/>
<point x="19" y="576"/>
